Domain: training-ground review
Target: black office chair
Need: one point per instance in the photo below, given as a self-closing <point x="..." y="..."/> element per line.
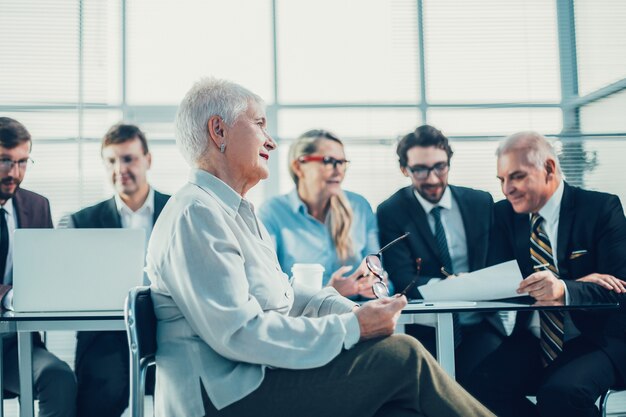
<point x="141" y="330"/>
<point x="604" y="400"/>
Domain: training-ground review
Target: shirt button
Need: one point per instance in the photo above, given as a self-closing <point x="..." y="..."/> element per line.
<point x="287" y="294"/>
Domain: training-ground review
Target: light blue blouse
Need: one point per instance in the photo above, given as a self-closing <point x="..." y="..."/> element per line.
<point x="300" y="238"/>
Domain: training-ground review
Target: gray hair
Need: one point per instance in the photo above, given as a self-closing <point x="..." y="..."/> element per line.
<point x="534" y="146"/>
<point x="208" y="97"/>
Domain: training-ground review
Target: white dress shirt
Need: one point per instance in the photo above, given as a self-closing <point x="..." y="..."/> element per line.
<point x="11" y="218"/>
<point x="7" y="279"/>
<point x="225" y="310"/>
<point x="142" y="218"/>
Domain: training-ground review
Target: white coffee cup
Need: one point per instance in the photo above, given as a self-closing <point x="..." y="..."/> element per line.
<point x="310" y="275"/>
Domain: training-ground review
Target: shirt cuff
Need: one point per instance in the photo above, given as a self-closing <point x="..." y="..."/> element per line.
<point x="567" y="299"/>
<point x="353" y="330"/>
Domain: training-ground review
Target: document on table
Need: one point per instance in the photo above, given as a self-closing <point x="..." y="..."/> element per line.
<point x="495" y="282"/>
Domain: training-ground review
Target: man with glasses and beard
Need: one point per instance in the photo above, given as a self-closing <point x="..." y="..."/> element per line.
<point x="449" y="229"/>
<point x="102" y="364"/>
<point x="54" y="383"/>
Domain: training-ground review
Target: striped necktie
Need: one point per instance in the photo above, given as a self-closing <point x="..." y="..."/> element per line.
<point x="444" y="252"/>
<point x="551" y="322"/>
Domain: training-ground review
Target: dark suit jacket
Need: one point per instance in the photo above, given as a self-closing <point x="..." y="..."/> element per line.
<point x="402" y="213"/>
<point x="588" y="221"/>
<point x="33" y="212"/>
<point x="105" y="215"/>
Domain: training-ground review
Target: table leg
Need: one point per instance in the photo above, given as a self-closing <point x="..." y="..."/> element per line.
<point x="25" y="354"/>
<point x="445" y="342"/>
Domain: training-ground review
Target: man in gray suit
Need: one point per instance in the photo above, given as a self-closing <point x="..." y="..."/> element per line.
<point x="54" y="383"/>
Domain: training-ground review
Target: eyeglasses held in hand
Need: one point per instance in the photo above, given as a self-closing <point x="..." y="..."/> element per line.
<point x="328" y="161"/>
<point x="375" y="265"/>
<point x="421" y="172"/>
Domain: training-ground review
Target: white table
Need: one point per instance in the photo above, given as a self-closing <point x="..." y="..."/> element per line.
<point x="444" y="329"/>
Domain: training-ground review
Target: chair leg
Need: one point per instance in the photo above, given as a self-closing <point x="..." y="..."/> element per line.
<point x="604" y="399"/>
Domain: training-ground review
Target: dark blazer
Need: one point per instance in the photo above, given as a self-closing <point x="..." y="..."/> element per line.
<point x="104" y="215"/>
<point x="588" y="221"/>
<point x="402" y="213"/>
<point x="33" y="212"/>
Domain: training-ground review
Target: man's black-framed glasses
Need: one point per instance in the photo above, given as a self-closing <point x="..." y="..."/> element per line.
<point x="7" y="164"/>
<point x="375" y="265"/>
<point x="421" y="172"/>
<point x="327" y="161"/>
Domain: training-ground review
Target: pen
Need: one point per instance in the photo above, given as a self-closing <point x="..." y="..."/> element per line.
<point x="536" y="267"/>
<point x="445" y="273"/>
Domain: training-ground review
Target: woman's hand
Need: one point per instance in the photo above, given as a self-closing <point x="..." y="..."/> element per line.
<point x="346" y="286"/>
<point x="607" y="281"/>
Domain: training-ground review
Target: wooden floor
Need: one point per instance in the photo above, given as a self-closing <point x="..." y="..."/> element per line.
<point x="64" y="343"/>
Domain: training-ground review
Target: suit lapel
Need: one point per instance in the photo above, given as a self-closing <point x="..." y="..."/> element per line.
<point x="159" y="203"/>
<point x="566" y="221"/>
<point x="521" y="235"/>
<point x="109" y="216"/>
<point x="419" y="218"/>
<point x="21" y="210"/>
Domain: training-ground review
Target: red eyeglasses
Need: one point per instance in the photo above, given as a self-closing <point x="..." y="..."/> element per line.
<point x="328" y="161"/>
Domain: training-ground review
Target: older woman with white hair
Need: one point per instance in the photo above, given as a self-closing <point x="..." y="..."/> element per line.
<point x="234" y="337"/>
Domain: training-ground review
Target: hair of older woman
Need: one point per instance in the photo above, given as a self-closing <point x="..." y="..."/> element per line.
<point x="340" y="212"/>
<point x="208" y="97"/>
<point x="534" y="147"/>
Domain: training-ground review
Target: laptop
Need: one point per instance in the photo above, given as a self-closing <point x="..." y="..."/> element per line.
<point x="76" y="269"/>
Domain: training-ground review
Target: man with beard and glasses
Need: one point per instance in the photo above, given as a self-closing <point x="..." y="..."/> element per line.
<point x="102" y="365"/>
<point x="54" y="383"/>
<point x="449" y="230"/>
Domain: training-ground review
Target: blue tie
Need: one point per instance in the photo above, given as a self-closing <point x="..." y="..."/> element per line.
<point x="442" y="242"/>
<point x="444" y="253"/>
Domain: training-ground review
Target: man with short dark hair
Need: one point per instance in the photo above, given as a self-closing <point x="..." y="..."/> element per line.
<point x="102" y="361"/>
<point x="449" y="228"/>
<point x="54" y="382"/>
<point x="570" y="244"/>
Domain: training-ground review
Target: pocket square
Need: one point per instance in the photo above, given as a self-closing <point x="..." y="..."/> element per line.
<point x="577" y="253"/>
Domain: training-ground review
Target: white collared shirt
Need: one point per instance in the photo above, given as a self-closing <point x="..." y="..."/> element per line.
<point x="142" y="218"/>
<point x="11" y="218"/>
<point x="453" y="227"/>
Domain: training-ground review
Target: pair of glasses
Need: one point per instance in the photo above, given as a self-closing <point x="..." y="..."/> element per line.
<point x="125" y="160"/>
<point x="7" y="164"/>
<point x="326" y="160"/>
<point x="421" y="172"/>
<point x="375" y="265"/>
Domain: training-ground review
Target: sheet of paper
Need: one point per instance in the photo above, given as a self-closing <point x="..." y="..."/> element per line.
<point x="498" y="281"/>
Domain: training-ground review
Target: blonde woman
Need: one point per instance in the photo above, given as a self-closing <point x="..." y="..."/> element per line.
<point x="319" y="222"/>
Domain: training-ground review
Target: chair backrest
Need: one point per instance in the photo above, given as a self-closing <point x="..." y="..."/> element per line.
<point x="141" y="329"/>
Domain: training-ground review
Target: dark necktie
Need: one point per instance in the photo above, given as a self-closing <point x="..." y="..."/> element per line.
<point x="551" y="322"/>
<point x="444" y="253"/>
<point x="442" y="242"/>
<point x="4" y="243"/>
